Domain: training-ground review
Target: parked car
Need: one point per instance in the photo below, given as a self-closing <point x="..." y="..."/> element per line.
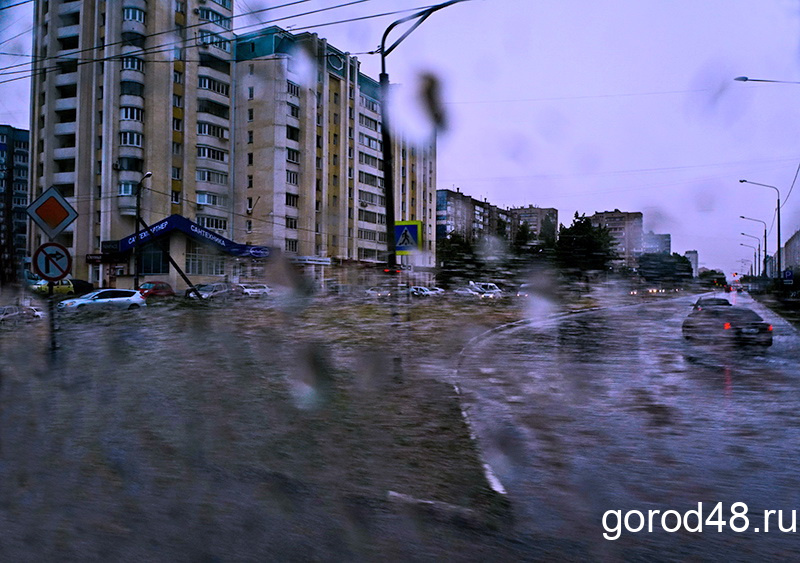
<point x="419" y="291"/>
<point x="60" y="287"/>
<point x="63" y="287"/>
<point x="379" y="292"/>
<point x="727" y="325"/>
<point x="711" y="302"/>
<point x="152" y="289"/>
<point x="466" y="292"/>
<point x="105" y="299"/>
<point x="218" y="290"/>
<point x="436" y="291"/>
<point x="10" y="315"/>
<point x="255" y="289"/>
<point x="488" y="290"/>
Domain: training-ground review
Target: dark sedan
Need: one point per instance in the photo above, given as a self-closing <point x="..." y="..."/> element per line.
<point x="727" y="325"/>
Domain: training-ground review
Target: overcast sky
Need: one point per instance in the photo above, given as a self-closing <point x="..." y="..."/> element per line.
<point x="586" y="105"/>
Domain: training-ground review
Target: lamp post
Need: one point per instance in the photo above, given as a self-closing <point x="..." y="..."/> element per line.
<point x="755" y="261"/>
<point x="765" y="239"/>
<point x="137" y="251"/>
<point x="758" y="255"/>
<point x="778" y="251"/>
<point x="386" y="136"/>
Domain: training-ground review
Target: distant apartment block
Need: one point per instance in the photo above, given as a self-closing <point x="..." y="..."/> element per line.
<point x="657" y="244"/>
<point x="268" y="139"/>
<point x="14" y="161"/>
<point x="456" y="212"/>
<point x="542" y="221"/>
<point x="626" y="228"/>
<point x="694" y="260"/>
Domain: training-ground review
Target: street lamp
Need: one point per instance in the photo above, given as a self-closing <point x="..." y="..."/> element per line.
<point x="778" y="251"/>
<point x="754" y="255"/>
<point x="137" y="251"/>
<point x="758" y="242"/>
<point x="765" y="238"/>
<point x="386" y="137"/>
<point x="748" y="79"/>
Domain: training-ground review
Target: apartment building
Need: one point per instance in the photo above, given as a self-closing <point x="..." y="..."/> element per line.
<point x="267" y="142"/>
<point x="542" y="221"/>
<point x="626" y="228"/>
<point x="14" y="161"/>
<point x="654" y="243"/>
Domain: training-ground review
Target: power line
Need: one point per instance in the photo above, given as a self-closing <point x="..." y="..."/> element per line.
<point x="15" y="5"/>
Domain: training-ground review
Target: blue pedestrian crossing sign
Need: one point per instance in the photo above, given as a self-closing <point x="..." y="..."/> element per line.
<point x="407" y="236"/>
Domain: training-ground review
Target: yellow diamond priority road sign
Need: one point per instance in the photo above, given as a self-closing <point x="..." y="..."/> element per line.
<point x="51" y="212"/>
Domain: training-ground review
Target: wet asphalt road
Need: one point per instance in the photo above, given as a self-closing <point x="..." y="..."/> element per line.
<point x="612" y="410"/>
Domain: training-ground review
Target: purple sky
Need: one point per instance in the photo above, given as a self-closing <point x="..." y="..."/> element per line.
<point x="588" y="105"/>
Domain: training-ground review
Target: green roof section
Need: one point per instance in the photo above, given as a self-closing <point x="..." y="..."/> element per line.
<point x="276" y="40"/>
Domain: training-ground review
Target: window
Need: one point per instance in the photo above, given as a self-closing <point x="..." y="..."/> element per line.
<point x="249" y="181"/>
<point x="211" y="130"/>
<point x="292" y="133"/>
<point x="368" y="122"/>
<point x="293" y="155"/>
<point x="224" y="3"/>
<point x="370" y="142"/>
<point x="133" y="14"/>
<point x="370" y="160"/>
<point x="132" y="63"/>
<point x="370" y="104"/>
<point x="292" y="200"/>
<point x="202" y="261"/>
<point x="210" y="38"/>
<point x="291" y="222"/>
<point x="370" y="179"/>
<point x="177" y="77"/>
<point x="212" y="176"/>
<point x="214" y="17"/>
<point x="208" y="198"/>
<point x="250" y="93"/>
<point x="212" y="153"/>
<point x="176" y="197"/>
<point x="177" y="124"/>
<point x="180" y="7"/>
<point x="212" y="223"/>
<point x="366" y="234"/>
<point x="129" y="113"/>
<point x="208" y="83"/>
<point x="250" y="114"/>
<point x="249" y="159"/>
<point x="294" y="110"/>
<point x="369" y="197"/>
<point x="130" y="139"/>
<point x="250" y="137"/>
<point x="294" y="89"/>
<point x="177" y="101"/>
<point x="213" y="108"/>
<point x="177" y="149"/>
<point x="126" y="188"/>
<point x="248" y="225"/>
<point x="292" y="177"/>
<point x="177" y="173"/>
<point x="291" y="245"/>
<point x="131" y="88"/>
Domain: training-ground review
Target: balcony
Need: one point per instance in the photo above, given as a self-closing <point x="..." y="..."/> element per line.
<point x="65" y="128"/>
<point x="67" y="152"/>
<point x="68" y="31"/>
<point x="126" y="205"/>
<point x="66" y="103"/>
<point x="66" y="79"/>
<point x="64" y="178"/>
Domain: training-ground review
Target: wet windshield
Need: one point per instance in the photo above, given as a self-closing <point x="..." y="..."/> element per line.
<point x="420" y="282"/>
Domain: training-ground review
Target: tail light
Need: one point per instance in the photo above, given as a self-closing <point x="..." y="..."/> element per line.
<point x="727" y="326"/>
<point x="769" y="328"/>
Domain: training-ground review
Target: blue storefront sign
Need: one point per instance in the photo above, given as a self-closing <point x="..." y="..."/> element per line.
<point x="195" y="231"/>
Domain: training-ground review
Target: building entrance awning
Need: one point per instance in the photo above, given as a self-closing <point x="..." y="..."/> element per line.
<point x="196" y="232"/>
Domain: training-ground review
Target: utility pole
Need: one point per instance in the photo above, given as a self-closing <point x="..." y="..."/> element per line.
<point x="137" y="250"/>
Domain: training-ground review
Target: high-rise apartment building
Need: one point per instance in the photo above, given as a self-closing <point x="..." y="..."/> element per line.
<point x="654" y="243"/>
<point x="626" y="228"/>
<point x="542" y="221"/>
<point x="14" y="162"/>
<point x="268" y="139"/>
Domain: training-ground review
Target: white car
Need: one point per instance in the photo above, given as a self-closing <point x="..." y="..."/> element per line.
<point x="105" y="299"/>
<point x="255" y="289"/>
<point x="436" y="290"/>
<point x="419" y="291"/>
<point x="467" y="292"/>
